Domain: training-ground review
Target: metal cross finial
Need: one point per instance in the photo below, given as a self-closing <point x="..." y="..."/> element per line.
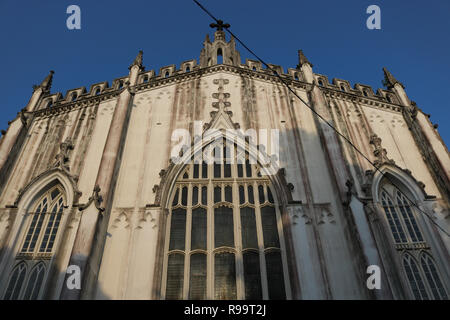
<point x="219" y="25"/>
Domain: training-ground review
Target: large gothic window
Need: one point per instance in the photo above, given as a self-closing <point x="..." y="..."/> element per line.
<point x="37" y="247"/>
<point x="418" y="265"/>
<point x="224" y="236"/>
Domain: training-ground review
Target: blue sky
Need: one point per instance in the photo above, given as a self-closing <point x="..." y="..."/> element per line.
<point x="413" y="42"/>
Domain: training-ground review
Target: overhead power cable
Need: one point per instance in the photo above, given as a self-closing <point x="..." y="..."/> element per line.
<point x="227" y="28"/>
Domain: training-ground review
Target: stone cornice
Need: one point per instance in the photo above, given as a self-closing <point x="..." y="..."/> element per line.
<point x="370" y="101"/>
<point x="63" y="106"/>
<point x="158" y="81"/>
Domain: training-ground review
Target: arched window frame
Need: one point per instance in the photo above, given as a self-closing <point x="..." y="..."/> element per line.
<point x="411" y="250"/>
<point x="28" y="200"/>
<point x="185" y="178"/>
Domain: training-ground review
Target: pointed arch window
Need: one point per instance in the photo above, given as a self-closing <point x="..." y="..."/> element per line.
<point x="418" y="265"/>
<point x="414" y="277"/>
<point x="44" y="224"/>
<point x="38" y="245"/>
<point x="219" y="56"/>
<point x="432" y="277"/>
<point x="15" y="283"/>
<point x="400" y="216"/>
<point x="225" y="241"/>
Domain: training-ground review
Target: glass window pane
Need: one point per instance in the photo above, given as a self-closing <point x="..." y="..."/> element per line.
<point x="251" y="197"/>
<point x="199" y="225"/>
<point x="433" y="278"/>
<point x="175" y="277"/>
<point x="204" y="170"/>
<point x="248" y="224"/>
<point x="224" y="276"/>
<point x="269" y="195"/>
<point x="177" y="229"/>
<point x="252" y="276"/>
<point x="393" y="218"/>
<point x="196" y="170"/>
<point x="223" y="227"/>
<point x="16" y="282"/>
<point x="248" y="168"/>
<point x="217" y="194"/>
<point x="240" y="170"/>
<point x="197" y="281"/>
<point x="54" y="194"/>
<point x="275" y="279"/>
<point x="217" y="168"/>
<point x="194" y="196"/>
<point x="409" y="218"/>
<point x="269" y="225"/>
<point x="35" y="282"/>
<point x="175" y="198"/>
<point x="184" y="196"/>
<point x="227" y="170"/>
<point x="261" y="194"/>
<point x="241" y="195"/>
<point x="205" y="195"/>
<point x="414" y="278"/>
<point x="228" y="194"/>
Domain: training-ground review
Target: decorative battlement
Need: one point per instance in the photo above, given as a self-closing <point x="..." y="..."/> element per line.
<point x="209" y="62"/>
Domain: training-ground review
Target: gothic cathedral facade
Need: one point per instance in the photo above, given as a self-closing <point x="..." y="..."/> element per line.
<point x="90" y="187"/>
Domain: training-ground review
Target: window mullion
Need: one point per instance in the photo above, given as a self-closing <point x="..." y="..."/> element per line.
<point x="262" y="257"/>
<point x="187" y="246"/>
<point x="240" y="288"/>
<point x="210" y="240"/>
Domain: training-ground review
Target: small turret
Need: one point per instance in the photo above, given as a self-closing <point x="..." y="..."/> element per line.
<point x="302" y="60"/>
<point x="389" y="80"/>
<point x="46" y="84"/>
<point x="138" y="61"/>
<point x="211" y="51"/>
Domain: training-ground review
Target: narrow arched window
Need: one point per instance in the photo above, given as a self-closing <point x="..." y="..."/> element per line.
<point x="418" y="264"/>
<point x="433" y="278"/>
<point x="408" y="217"/>
<point x="365" y="93"/>
<point x="74" y="96"/>
<point x="388" y="98"/>
<point x="342" y="88"/>
<point x="120" y="84"/>
<point x="44" y="224"/>
<point x="320" y="82"/>
<point x="218" y="246"/>
<point x="97" y="91"/>
<point x="49" y="103"/>
<point x="393" y="218"/>
<point x="34" y="282"/>
<point x="188" y="69"/>
<point x="166" y="74"/>
<point x="415" y="278"/>
<point x="145" y="79"/>
<point x="254" y="68"/>
<point x="219" y="56"/>
<point x="15" y="283"/>
<point x="296" y="76"/>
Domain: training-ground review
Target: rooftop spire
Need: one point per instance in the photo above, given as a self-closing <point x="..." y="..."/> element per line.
<point x="302" y="59"/>
<point x="138" y="61"/>
<point x="219" y="34"/>
<point x="46" y="84"/>
<point x="389" y="80"/>
<point x="220" y="25"/>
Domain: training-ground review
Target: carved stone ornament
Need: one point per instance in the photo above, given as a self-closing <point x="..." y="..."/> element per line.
<point x="380" y="153"/>
<point x="96" y="198"/>
<point x="62" y="158"/>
